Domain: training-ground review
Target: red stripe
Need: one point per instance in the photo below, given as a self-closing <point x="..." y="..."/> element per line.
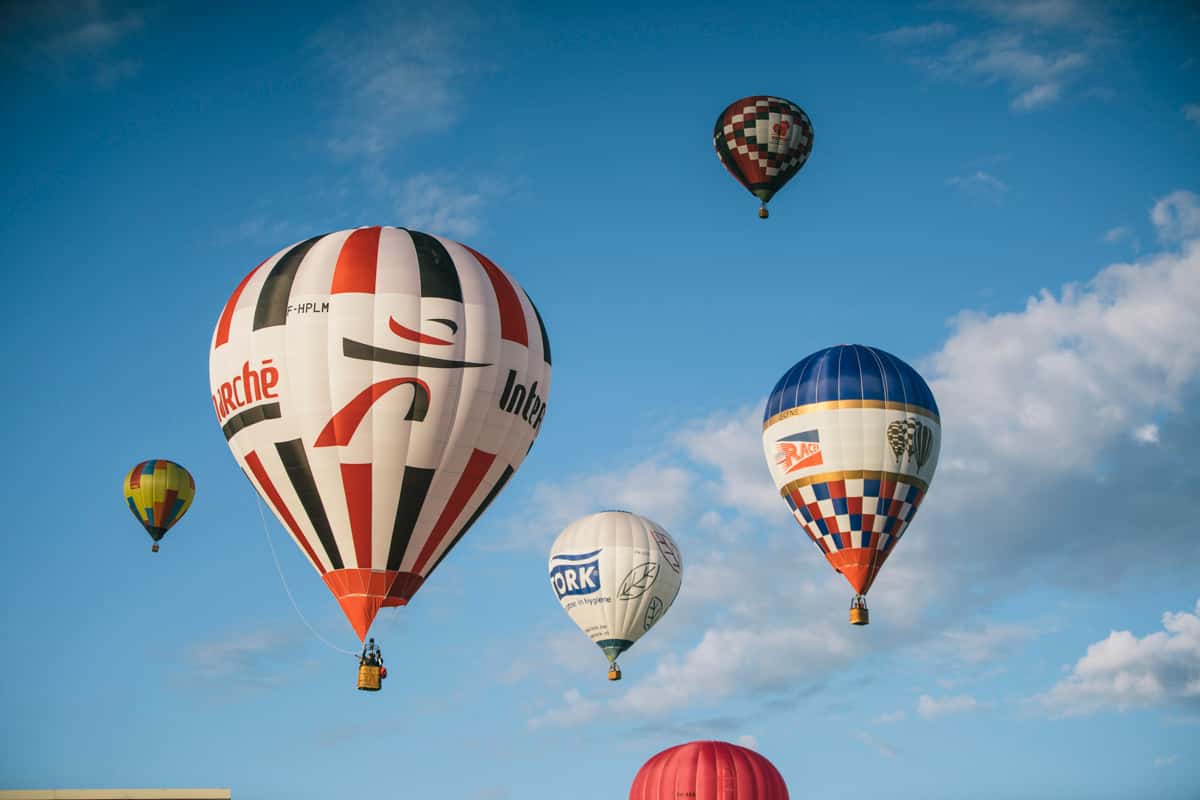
<point x="472" y="476"/>
<point x="356" y="479"/>
<point x="357" y="262"/>
<point x="227" y="314"/>
<point x="340" y="429"/>
<point x="512" y="316"/>
<point x="167" y="504"/>
<point x="413" y="336"/>
<point x="135" y="477"/>
<point x="273" y="495"/>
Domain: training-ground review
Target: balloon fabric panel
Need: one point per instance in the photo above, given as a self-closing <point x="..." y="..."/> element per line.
<point x="763" y="141"/>
<point x="851" y="435"/>
<point x="379" y="387"/>
<point x="708" y="770"/>
<point x="615" y="574"/>
<point x="159" y="493"/>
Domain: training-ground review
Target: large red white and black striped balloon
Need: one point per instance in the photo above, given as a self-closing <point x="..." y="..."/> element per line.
<point x="379" y="387"/>
<point x="708" y="771"/>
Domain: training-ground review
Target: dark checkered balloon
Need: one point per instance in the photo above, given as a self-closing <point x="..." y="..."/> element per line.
<point x="763" y="141"/>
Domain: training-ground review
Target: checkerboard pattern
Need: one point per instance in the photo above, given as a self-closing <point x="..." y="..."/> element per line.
<point x="870" y="512"/>
<point x="757" y="134"/>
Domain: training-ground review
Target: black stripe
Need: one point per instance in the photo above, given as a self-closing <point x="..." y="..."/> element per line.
<point x="249" y="417"/>
<point x="300" y="474"/>
<point x="439" y="276"/>
<point x="273" y="299"/>
<point x="541" y="327"/>
<point x="366" y="352"/>
<point x="413" y="489"/>
<point x="487" y="501"/>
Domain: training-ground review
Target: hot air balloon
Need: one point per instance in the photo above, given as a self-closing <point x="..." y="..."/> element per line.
<point x="615" y="574"/>
<point x="379" y="387"/>
<point x="763" y="141"/>
<point x="159" y="493"/>
<point x="708" y="771"/>
<point x="851" y="435"/>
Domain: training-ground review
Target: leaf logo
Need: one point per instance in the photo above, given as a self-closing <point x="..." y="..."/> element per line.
<point x="638" y="581"/>
<point x="653" y="612"/>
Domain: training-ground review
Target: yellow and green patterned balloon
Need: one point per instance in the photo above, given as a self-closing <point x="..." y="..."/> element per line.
<point x="159" y="493"/>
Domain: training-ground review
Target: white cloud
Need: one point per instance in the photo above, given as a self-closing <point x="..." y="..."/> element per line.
<point x="1050" y="386"/>
<point x="445" y="204"/>
<point x="1042" y="94"/>
<point x="1124" y="672"/>
<point x="979" y="182"/>
<point x="1191" y="112"/>
<point x="1118" y="234"/>
<point x="892" y="716"/>
<point x="1166" y="761"/>
<point x="399" y="75"/>
<point x="730" y="446"/>
<point x="748" y="741"/>
<point x="736" y="660"/>
<point x="655" y="490"/>
<point x="984" y="644"/>
<point x="243" y="660"/>
<point x="1177" y="216"/>
<point x="917" y="34"/>
<point x="1041" y="407"/>
<point x="1044" y="13"/>
<point x="934" y="707"/>
<point x="73" y="38"/>
<point x="1146" y="434"/>
<point x="884" y="748"/>
<point x="1037" y="48"/>
<point x="574" y="710"/>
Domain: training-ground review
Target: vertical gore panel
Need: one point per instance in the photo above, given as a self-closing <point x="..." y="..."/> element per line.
<point x="300" y="474"/>
<point x="472" y="475"/>
<point x="356" y="480"/>
<point x="272" y="493"/>
<point x="541" y="327"/>
<point x="227" y="314"/>
<point x="487" y="501"/>
<point x="512" y="316"/>
<point x="439" y="277"/>
<point x="413" y="488"/>
<point x="273" y="299"/>
<point x="357" y="263"/>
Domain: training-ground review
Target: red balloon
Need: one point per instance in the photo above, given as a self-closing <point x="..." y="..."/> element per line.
<point x="708" y="771"/>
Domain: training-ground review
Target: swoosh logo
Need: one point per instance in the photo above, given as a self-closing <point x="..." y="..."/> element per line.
<point x="413" y="336"/>
<point x="366" y="352"/>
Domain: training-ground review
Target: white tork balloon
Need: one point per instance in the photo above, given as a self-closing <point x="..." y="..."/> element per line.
<point x="379" y="386"/>
<point x="615" y="574"/>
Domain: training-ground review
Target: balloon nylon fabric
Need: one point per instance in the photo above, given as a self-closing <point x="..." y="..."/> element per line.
<point x="615" y="574"/>
<point x="763" y="141"/>
<point x="708" y="770"/>
<point x="159" y="493"/>
<point x="851" y="435"/>
<point x="379" y="387"/>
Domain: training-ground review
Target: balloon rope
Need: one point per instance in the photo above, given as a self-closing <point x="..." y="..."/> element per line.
<point x="283" y="580"/>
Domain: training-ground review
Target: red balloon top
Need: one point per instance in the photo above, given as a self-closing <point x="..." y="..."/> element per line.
<point x="708" y="771"/>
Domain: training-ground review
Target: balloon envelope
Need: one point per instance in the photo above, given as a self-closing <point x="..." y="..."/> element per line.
<point x="615" y="574"/>
<point x="708" y="771"/>
<point x="379" y="387"/>
<point x="763" y="141"/>
<point x="159" y="493"/>
<point x="851" y="435"/>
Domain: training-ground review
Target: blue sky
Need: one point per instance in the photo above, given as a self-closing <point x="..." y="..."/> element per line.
<point x="1003" y="194"/>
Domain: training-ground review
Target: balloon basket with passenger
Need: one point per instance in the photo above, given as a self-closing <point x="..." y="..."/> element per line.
<point x="858" y="611"/>
<point x="371" y="671"/>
